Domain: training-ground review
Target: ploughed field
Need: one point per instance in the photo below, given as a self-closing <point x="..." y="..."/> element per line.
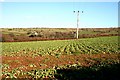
<point x="86" y="59"/>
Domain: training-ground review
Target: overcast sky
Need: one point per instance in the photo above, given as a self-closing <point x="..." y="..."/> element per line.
<point x="58" y="14"/>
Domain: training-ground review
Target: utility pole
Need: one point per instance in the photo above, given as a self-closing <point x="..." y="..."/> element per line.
<point x="77" y="22"/>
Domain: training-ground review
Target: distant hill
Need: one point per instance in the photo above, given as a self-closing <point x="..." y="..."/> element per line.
<point x="28" y="34"/>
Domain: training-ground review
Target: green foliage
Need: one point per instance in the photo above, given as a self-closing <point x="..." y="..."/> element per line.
<point x="57" y="47"/>
<point x="102" y="70"/>
<point x="43" y="73"/>
<point x="105" y="70"/>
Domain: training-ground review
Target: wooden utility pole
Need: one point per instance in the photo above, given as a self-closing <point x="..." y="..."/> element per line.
<point x="77" y="23"/>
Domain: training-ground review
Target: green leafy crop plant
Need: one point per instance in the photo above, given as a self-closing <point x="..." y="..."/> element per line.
<point x="87" y="45"/>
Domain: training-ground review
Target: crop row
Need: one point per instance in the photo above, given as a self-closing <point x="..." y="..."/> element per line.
<point x="83" y="46"/>
<point x="70" y="72"/>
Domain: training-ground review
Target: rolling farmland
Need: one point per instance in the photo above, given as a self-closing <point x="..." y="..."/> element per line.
<point x="69" y="40"/>
<point x="82" y="46"/>
<point x="51" y="59"/>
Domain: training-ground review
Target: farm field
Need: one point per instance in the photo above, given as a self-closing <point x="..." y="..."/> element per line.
<point x="27" y="34"/>
<point x="57" y="40"/>
<point x="86" y="59"/>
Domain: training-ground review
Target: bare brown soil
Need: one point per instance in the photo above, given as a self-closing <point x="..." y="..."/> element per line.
<point x="47" y="61"/>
